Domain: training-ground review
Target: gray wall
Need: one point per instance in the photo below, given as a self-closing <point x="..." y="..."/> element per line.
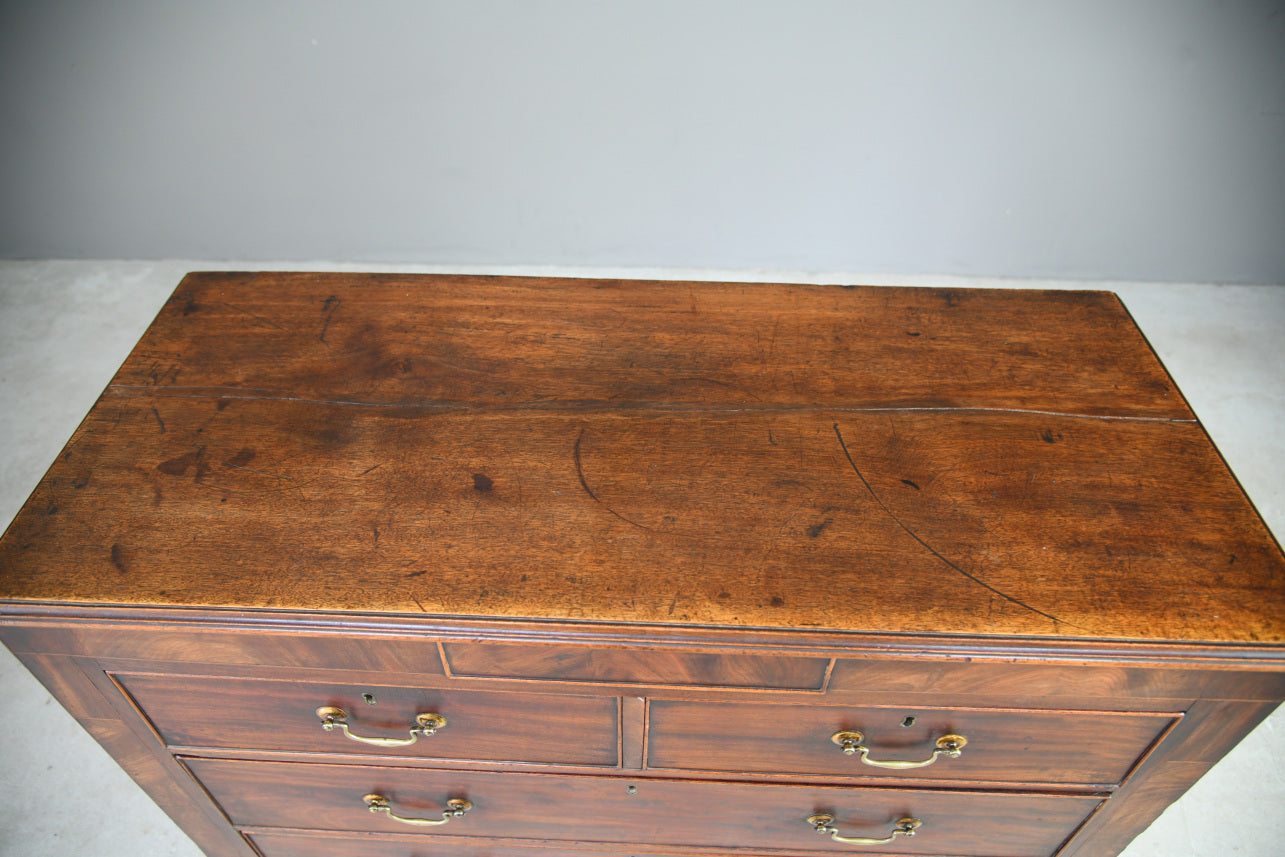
<point x="1069" y="138"/>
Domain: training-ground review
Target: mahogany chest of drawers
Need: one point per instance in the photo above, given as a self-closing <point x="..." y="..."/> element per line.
<point x="415" y="566"/>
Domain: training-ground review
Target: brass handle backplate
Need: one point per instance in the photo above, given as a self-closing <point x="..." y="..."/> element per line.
<point x="947" y="745"/>
<point x="824" y="824"/>
<point x="455" y="808"/>
<point x="425" y="724"/>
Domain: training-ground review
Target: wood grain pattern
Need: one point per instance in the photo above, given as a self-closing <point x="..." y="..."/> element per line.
<point x="1208" y="731"/>
<point x="285" y="647"/>
<point x="104" y="714"/>
<point x="301" y="844"/>
<point x="1035" y="681"/>
<point x="1095" y="750"/>
<point x="602" y="524"/>
<point x="188" y="642"/>
<point x="631" y="666"/>
<point x="633" y="732"/>
<point x="272" y="715"/>
<point x="582" y="810"/>
<point x="526" y="343"/>
<point x="867" y="510"/>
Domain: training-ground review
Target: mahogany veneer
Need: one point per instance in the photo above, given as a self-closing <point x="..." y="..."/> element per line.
<point x="640" y="554"/>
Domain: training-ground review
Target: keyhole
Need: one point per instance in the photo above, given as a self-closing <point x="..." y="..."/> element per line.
<point x="369" y="698"/>
<point x="909" y="721"/>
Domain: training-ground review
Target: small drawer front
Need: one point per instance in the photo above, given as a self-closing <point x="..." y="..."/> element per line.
<point x="254" y="714"/>
<point x="634" y="666"/>
<point x="1058" y="747"/>
<point x="585" y="811"/>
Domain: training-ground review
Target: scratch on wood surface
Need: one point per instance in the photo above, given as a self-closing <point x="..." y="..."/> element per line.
<point x="931" y="549"/>
<point x="454" y="367"/>
<point x="287" y="483"/>
<point x="585" y="485"/>
<point x="727" y="385"/>
<point x="160" y="422"/>
<point x="236" y="466"/>
<point x="159" y="372"/>
<point x="257" y="318"/>
<point x="243" y="457"/>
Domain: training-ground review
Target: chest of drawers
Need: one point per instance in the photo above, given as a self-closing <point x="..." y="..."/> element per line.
<point x="407" y="566"/>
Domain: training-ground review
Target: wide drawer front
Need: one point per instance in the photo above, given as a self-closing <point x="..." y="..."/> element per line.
<point x="1058" y="747"/>
<point x="292" y="716"/>
<point x="273" y="843"/>
<point x="580" y="810"/>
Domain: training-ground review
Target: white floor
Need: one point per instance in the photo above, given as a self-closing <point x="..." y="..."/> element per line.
<point x="66" y="326"/>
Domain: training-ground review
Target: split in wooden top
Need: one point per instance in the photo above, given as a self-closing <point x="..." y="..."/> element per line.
<point x="746" y="455"/>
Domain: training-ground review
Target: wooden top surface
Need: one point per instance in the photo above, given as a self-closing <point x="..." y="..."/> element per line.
<point x="745" y="455"/>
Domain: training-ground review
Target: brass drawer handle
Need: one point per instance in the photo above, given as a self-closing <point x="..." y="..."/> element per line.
<point x="336" y="718"/>
<point x="455" y="808"/>
<point x="947" y="745"/>
<point x="825" y="824"/>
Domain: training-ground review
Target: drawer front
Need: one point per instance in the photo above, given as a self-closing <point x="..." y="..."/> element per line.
<point x="634" y="666"/>
<point x="583" y="810"/>
<point x="292" y="844"/>
<point x="1087" y="748"/>
<point x="256" y="714"/>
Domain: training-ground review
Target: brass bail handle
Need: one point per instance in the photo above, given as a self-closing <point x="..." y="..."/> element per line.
<point x="851" y="742"/>
<point x="455" y="808"/>
<point x="824" y="824"/>
<point x="425" y="724"/>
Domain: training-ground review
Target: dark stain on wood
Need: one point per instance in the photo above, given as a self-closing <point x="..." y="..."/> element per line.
<point x="655" y="493"/>
<point x="118" y="558"/>
<point x="179" y="465"/>
<point x="328" y="306"/>
<point x="818" y="528"/>
<point x="243" y="457"/>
